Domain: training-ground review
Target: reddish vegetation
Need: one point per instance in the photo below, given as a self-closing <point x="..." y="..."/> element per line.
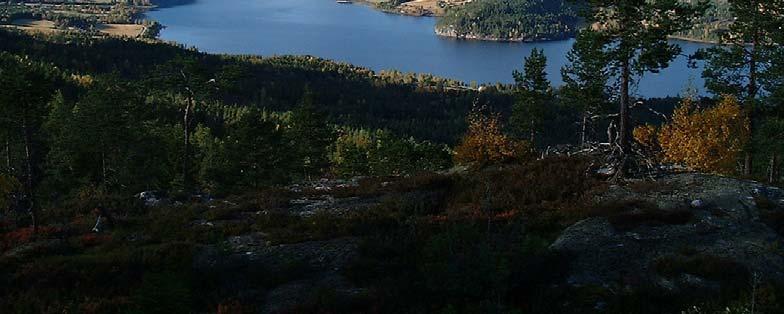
<point x="232" y="307"/>
<point x="21" y="236"/>
<point x="93" y="239"/>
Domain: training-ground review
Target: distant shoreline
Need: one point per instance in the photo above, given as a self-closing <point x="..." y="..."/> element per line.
<point x="452" y="34"/>
<point x="694" y="40"/>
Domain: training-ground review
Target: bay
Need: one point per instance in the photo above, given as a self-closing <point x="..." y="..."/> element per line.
<point x="363" y="36"/>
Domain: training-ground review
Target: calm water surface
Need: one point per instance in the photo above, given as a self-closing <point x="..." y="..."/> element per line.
<point x="365" y="37"/>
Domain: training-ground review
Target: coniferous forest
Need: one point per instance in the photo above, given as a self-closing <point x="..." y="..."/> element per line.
<point x="138" y="176"/>
<point x="515" y="20"/>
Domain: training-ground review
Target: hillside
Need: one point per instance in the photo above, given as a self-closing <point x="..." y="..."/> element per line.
<point x="542" y="239"/>
<point x="138" y="176"/>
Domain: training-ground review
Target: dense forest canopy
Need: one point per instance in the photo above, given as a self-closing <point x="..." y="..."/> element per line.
<point x="531" y="20"/>
<point x="358" y="96"/>
<point x="516" y="20"/>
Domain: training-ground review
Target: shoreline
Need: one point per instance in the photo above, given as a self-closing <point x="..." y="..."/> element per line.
<point x="438" y="31"/>
<point x="396" y="10"/>
<point x="453" y="35"/>
<point x="694" y="40"/>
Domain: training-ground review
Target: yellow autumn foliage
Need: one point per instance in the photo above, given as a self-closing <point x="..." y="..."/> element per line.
<point x="704" y="139"/>
<point x="647" y="136"/>
<point x="484" y="142"/>
<point x="82" y="80"/>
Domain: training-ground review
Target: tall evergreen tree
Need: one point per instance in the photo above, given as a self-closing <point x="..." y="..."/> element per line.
<point x="311" y="136"/>
<point x="634" y="34"/>
<point x="98" y="140"/>
<point x="534" y="95"/>
<point x="27" y="86"/>
<point x="744" y="64"/>
<point x="585" y="79"/>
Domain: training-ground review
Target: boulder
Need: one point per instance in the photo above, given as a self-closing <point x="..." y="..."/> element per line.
<point x="151" y="198"/>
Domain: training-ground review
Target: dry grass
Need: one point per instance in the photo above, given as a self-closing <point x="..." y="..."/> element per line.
<point x="35" y="26"/>
<point x="121" y="30"/>
<point x="419" y="7"/>
<point x="48" y="27"/>
<point x="429" y="5"/>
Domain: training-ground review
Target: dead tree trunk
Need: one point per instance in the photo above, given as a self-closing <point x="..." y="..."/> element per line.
<point x="583" y="130"/>
<point x="752" y="94"/>
<point x="186" y="125"/>
<point x="8" y="168"/>
<point x="533" y="132"/>
<point x="772" y="170"/>
<point x="29" y="172"/>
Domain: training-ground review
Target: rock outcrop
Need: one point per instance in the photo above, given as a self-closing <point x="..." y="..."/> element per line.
<point x="723" y="232"/>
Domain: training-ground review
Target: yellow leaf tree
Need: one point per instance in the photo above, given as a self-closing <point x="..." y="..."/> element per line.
<point x="485" y="143"/>
<point x="705" y="139"/>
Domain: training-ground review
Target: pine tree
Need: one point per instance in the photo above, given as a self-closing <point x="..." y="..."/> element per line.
<point x="585" y="79"/>
<point x="27" y="87"/>
<point x="634" y="34"/>
<point x="311" y="136"/>
<point x="534" y="96"/>
<point x="256" y="153"/>
<point x="98" y="139"/>
<point x="744" y="64"/>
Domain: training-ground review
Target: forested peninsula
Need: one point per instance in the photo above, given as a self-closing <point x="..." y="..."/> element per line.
<point x="510" y="20"/>
<point x="531" y="20"/>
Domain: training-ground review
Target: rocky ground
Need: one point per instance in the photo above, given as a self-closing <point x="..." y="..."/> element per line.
<point x="680" y="232"/>
<point x="684" y="231"/>
<point x="351" y="244"/>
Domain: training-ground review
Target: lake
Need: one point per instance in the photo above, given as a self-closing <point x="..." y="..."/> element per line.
<point x="362" y="36"/>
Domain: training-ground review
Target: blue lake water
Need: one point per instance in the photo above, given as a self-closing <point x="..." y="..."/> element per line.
<point x="362" y="36"/>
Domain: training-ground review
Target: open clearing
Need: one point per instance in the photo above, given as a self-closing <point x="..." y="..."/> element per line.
<point x="121" y="30"/>
<point x="423" y="7"/>
<point x="419" y="7"/>
<point x="48" y="27"/>
<point x="35" y="26"/>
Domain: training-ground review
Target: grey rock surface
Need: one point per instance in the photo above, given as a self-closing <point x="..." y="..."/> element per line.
<point x="727" y="225"/>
